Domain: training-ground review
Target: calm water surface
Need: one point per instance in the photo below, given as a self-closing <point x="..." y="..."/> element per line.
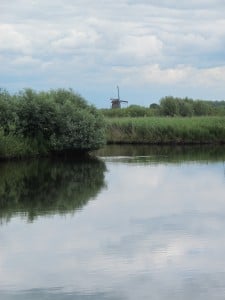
<point x="138" y="223"/>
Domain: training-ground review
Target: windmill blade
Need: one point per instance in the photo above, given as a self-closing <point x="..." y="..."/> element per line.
<point x="118" y="92"/>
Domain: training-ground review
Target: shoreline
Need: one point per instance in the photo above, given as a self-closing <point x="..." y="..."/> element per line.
<point x="155" y="131"/>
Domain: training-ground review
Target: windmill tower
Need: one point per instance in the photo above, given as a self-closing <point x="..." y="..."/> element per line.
<point x="116" y="102"/>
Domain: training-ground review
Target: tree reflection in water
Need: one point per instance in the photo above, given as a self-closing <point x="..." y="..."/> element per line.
<point x="165" y="153"/>
<point x="47" y="187"/>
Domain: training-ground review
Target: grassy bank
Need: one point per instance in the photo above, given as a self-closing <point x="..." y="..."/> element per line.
<point x="166" y="130"/>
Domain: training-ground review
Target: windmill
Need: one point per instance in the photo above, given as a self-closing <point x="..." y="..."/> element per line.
<point x="116" y="102"/>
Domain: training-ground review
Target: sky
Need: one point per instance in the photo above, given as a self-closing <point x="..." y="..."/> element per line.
<point x="149" y="48"/>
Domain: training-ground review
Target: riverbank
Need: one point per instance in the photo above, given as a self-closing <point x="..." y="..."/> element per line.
<point x="166" y="130"/>
<point x="143" y="130"/>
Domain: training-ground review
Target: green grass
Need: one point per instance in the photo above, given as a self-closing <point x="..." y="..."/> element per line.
<point x="166" y="130"/>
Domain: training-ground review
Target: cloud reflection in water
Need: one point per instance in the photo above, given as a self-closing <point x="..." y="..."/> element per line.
<point x="156" y="232"/>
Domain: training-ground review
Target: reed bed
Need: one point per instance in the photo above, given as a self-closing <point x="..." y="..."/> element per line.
<point x="166" y="130"/>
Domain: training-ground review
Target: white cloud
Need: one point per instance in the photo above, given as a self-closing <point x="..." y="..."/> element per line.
<point x="12" y="40"/>
<point x="141" y="46"/>
<point x="26" y="60"/>
<point x="191" y="4"/>
<point x="164" y="42"/>
<point x="154" y="74"/>
<point x="75" y="39"/>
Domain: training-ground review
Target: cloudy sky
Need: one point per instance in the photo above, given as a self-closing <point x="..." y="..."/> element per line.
<point x="150" y="48"/>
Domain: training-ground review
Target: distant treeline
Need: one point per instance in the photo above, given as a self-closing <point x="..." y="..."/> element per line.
<point x="171" y="106"/>
<point x="56" y="121"/>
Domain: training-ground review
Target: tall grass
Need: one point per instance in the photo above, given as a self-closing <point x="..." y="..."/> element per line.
<point x="166" y="130"/>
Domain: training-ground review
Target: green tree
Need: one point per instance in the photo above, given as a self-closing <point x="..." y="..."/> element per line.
<point x="59" y="120"/>
<point x="201" y="108"/>
<point x="186" y="108"/>
<point x="7" y="113"/>
<point x="169" y="106"/>
<point x="36" y="115"/>
<point x="154" y="106"/>
<point x="79" y="127"/>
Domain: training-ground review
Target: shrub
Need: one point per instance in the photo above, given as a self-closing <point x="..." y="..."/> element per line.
<point x="58" y="120"/>
<point x="79" y="127"/>
<point x="7" y="113"/>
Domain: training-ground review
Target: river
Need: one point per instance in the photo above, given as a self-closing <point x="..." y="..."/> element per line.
<point x="138" y="222"/>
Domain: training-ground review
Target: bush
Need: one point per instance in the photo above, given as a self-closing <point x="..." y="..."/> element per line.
<point x="36" y="115"/>
<point x="7" y="113"/>
<point x="169" y="106"/>
<point x="55" y="121"/>
<point x="79" y="127"/>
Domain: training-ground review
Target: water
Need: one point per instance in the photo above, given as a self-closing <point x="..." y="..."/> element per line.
<point x="139" y="223"/>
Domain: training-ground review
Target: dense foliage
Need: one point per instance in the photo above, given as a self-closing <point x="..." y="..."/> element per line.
<point x="171" y="106"/>
<point x="60" y="120"/>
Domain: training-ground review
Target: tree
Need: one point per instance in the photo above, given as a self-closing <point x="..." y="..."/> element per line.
<point x="185" y="108"/>
<point x="154" y="106"/>
<point x="201" y="108"/>
<point x="169" y="106"/>
<point x="7" y="114"/>
<point x="79" y="127"/>
<point x="60" y="120"/>
<point x="36" y="115"/>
